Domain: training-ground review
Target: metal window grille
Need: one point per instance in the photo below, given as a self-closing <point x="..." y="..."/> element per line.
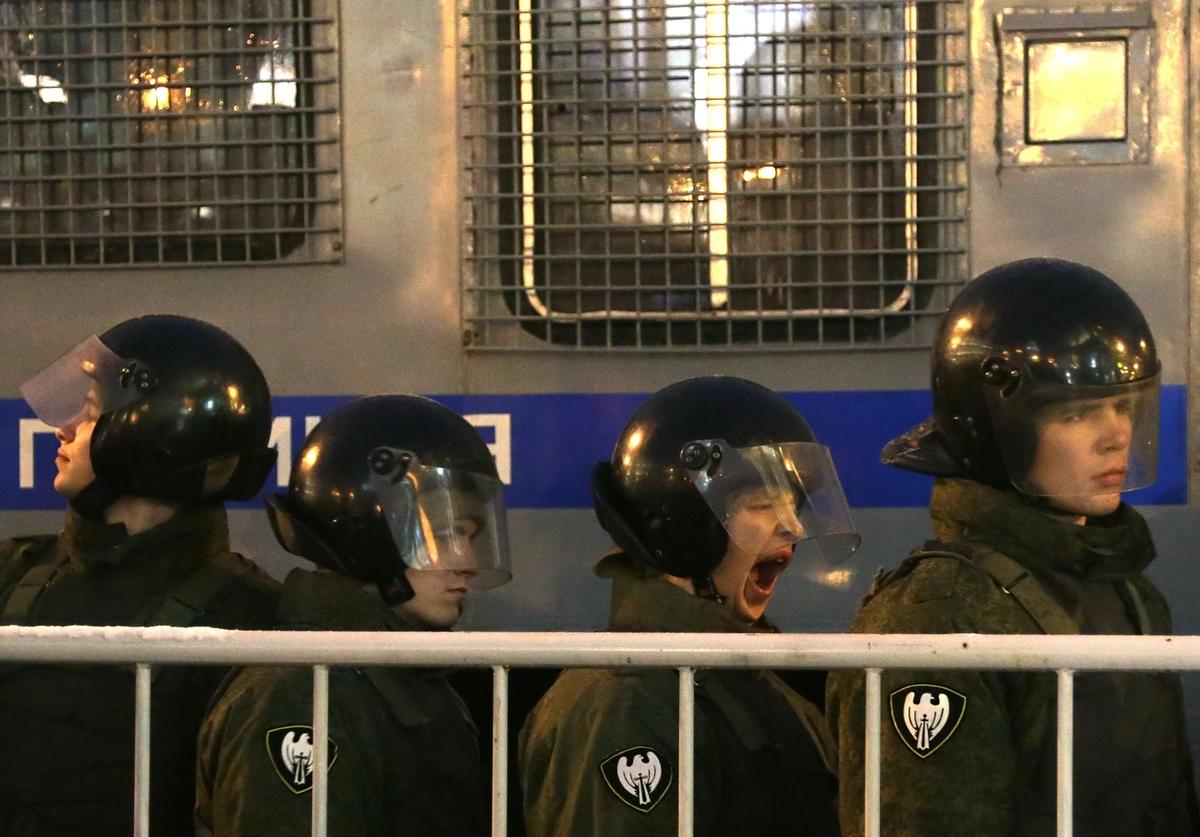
<point x="1064" y="655"/>
<point x="691" y="173"/>
<point x="167" y="131"/>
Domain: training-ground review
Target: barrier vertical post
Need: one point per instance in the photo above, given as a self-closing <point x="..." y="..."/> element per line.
<point x="141" y="751"/>
<point x="871" y="765"/>
<point x="1066" y="751"/>
<point x="499" y="751"/>
<point x="320" y="751"/>
<point x="687" y="750"/>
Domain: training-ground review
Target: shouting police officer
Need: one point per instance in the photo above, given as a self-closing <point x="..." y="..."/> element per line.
<point x="714" y="485"/>
<point x="158" y="421"/>
<point x="1045" y="392"/>
<point x="396" y="498"/>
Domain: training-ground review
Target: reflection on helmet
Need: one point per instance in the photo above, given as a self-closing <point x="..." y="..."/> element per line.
<point x="753" y="517"/>
<point x="87" y="378"/>
<point x="767" y="492"/>
<point x="1017" y="344"/>
<point x="1108" y="428"/>
<point x="182" y="411"/>
<point x="442" y="518"/>
<point x="396" y="482"/>
<point x="710" y="459"/>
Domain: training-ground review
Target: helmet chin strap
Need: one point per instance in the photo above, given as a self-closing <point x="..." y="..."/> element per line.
<point x="395" y="591"/>
<point x="93" y="500"/>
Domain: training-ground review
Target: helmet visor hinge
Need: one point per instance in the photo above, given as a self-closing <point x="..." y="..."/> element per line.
<point x="385" y="461"/>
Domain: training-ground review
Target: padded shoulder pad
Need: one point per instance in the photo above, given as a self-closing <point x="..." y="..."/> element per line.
<point x="31" y="548"/>
<point x="925" y="578"/>
<point x="27" y="565"/>
<point x="189" y="601"/>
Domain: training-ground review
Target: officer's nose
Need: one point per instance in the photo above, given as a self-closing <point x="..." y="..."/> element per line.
<point x="790" y="528"/>
<point x="1117" y="430"/>
<point x="66" y="432"/>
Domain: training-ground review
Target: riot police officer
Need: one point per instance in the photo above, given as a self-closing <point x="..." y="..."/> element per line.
<point x="396" y="499"/>
<point x="158" y="420"/>
<point x="1045" y="392"/>
<point x="714" y="486"/>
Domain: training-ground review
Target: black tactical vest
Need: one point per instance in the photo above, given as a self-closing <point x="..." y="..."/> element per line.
<point x="773" y="779"/>
<point x="441" y="784"/>
<point x="66" y="745"/>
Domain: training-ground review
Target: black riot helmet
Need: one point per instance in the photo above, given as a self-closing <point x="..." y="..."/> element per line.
<point x="182" y="412"/>
<point x="395" y="482"/>
<point x="1026" y="343"/>
<point x="694" y="455"/>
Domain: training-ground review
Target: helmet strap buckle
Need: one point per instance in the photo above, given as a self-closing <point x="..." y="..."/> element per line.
<point x="706" y="588"/>
<point x="395" y="591"/>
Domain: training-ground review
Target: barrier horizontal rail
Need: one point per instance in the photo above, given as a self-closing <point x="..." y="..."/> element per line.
<point x="210" y="646"/>
<point x="147" y="646"/>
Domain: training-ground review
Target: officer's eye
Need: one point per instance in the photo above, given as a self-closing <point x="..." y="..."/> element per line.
<point x="1077" y="412"/>
<point x="464" y="528"/>
<point x="752" y="501"/>
<point x="91" y="407"/>
<point x="1123" y="406"/>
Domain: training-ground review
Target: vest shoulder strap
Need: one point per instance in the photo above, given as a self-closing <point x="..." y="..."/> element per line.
<point x="810" y="718"/>
<point x="399" y="703"/>
<point x="50" y="558"/>
<point x="748" y="728"/>
<point x="180" y="609"/>
<point x="1011" y="577"/>
<point x="1135" y="603"/>
<point x="186" y="603"/>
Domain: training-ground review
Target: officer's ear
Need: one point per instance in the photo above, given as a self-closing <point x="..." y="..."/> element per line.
<point x="610" y="513"/>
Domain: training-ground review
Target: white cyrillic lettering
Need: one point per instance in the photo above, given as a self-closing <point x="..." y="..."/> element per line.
<point x="281" y="440"/>
<point x="501" y="449"/>
<point x="29" y="427"/>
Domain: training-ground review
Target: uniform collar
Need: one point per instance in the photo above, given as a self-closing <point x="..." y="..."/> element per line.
<point x="188" y="538"/>
<point x="331" y="602"/>
<point x="1117" y="546"/>
<point x="643" y="602"/>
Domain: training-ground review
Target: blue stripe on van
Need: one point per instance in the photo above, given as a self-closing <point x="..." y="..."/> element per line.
<point x="554" y="439"/>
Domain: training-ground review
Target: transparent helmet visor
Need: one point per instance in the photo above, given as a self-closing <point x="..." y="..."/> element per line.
<point x="772" y="495"/>
<point x="87" y="381"/>
<point x="443" y="518"/>
<point x="1060" y="440"/>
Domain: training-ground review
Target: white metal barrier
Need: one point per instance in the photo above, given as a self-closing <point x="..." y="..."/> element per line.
<point x="144" y="647"/>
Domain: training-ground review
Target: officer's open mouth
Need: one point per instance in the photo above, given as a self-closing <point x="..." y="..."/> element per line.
<point x="766" y="572"/>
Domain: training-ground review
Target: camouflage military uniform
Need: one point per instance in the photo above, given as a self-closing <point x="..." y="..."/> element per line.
<point x="599" y="752"/>
<point x="974" y="752"/>
<point x="404" y="752"/>
<point x="66" y="752"/>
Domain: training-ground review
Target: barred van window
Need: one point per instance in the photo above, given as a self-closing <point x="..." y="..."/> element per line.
<point x="690" y="173"/>
<point x="167" y="131"/>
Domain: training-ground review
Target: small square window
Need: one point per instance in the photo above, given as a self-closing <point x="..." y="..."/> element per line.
<point x="1075" y="86"/>
<point x="1076" y="91"/>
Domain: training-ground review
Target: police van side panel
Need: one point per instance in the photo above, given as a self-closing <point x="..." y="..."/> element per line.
<point x="379" y="305"/>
